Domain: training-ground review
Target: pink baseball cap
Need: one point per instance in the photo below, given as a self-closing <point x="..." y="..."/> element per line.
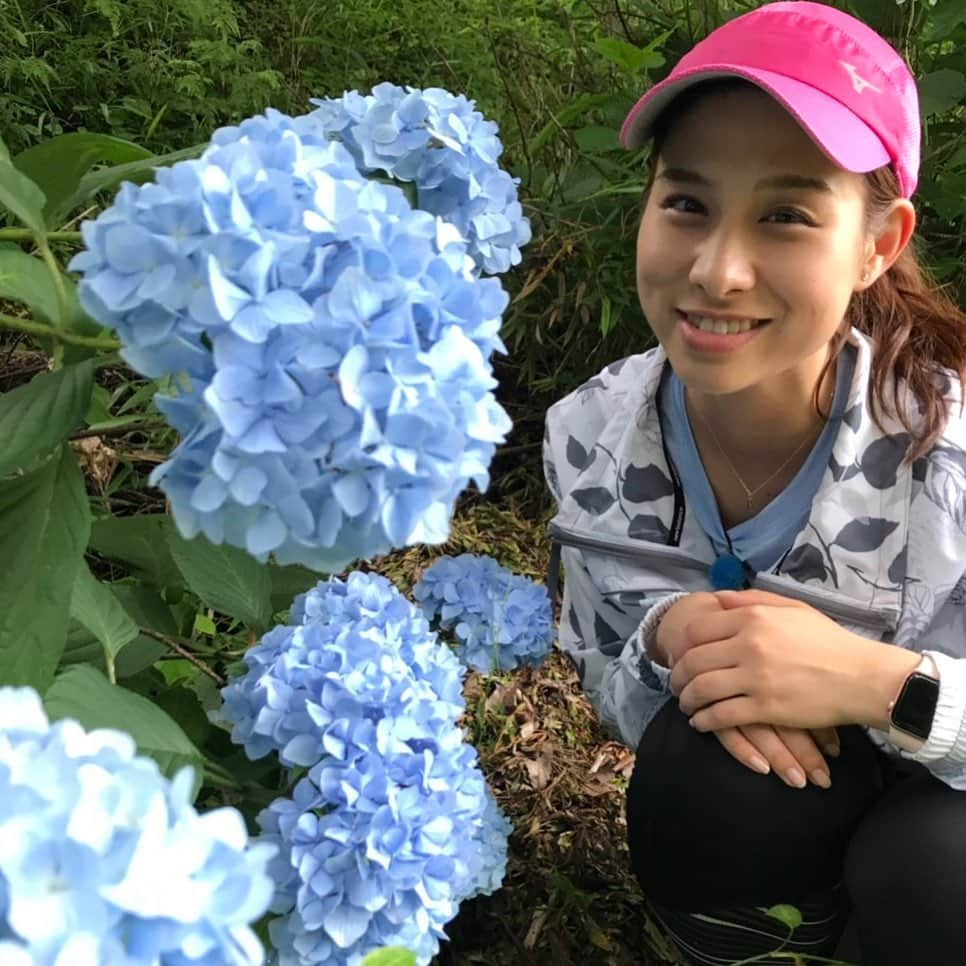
<point x="848" y="88"/>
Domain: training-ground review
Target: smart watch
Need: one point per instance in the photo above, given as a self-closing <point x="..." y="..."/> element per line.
<point x="912" y="712"/>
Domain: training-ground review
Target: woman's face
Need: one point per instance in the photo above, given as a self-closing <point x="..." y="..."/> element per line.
<point x="749" y="248"/>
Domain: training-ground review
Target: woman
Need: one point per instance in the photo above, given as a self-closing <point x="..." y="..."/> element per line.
<point x="763" y="519"/>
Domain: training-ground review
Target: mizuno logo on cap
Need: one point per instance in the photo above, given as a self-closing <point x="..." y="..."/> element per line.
<point x="858" y="82"/>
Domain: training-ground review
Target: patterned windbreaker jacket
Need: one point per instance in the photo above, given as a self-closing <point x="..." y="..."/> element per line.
<point x="883" y="552"/>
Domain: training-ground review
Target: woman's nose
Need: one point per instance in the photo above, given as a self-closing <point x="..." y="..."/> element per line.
<point x="722" y="264"/>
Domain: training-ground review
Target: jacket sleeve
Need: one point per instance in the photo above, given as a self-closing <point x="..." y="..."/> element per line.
<point x="935" y="621"/>
<point x="624" y="686"/>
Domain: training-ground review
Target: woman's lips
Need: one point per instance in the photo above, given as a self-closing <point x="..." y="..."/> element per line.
<point x="696" y="337"/>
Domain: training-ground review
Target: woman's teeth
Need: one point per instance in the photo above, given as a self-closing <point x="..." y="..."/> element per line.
<point x="719" y="326"/>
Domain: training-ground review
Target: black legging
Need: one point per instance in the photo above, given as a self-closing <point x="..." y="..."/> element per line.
<point x="707" y="832"/>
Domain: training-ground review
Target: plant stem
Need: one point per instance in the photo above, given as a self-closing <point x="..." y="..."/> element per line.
<point x="59" y="336"/>
<point x="27" y="234"/>
<point x="185" y="653"/>
<point x="219" y="778"/>
<point x="58" y="280"/>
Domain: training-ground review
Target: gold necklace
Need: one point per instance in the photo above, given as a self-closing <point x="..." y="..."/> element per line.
<point x="750" y="493"/>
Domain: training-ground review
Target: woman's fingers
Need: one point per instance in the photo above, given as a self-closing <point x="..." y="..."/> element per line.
<point x="789" y="752"/>
<point x="804" y="749"/>
<point x="712" y="686"/>
<point x="700" y="660"/>
<point x="828" y="740"/>
<point x="750" y="598"/>
<point x="741" y="749"/>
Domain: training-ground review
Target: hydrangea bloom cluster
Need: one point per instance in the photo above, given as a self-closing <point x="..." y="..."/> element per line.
<point x="104" y="861"/>
<point x="448" y="150"/>
<point x="392" y="826"/>
<point x="500" y="620"/>
<point x="328" y="345"/>
<point x="359" y="652"/>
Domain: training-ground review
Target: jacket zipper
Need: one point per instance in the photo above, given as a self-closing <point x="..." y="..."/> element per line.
<point x="826" y="603"/>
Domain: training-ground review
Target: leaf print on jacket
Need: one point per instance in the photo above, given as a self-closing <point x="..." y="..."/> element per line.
<point x="805" y="563"/>
<point x="646" y="526"/>
<point x="643" y="484"/>
<point x="864" y="534"/>
<point x="945" y="482"/>
<point x="577" y="456"/>
<point x="594" y="499"/>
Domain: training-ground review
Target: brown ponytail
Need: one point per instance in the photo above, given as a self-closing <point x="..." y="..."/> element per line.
<point x="918" y="331"/>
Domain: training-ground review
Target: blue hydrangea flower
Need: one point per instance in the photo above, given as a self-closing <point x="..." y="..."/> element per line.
<point x="360" y="653"/>
<point x="489" y="861"/>
<point x="393" y="825"/>
<point x="381" y="850"/>
<point x="328" y="347"/>
<point x="103" y="860"/>
<point x="448" y="150"/>
<point x="500" y="620"/>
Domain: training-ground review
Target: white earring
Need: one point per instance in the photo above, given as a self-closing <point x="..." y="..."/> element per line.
<point x="866" y="275"/>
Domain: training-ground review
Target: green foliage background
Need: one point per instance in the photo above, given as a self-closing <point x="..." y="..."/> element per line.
<point x="557" y="74"/>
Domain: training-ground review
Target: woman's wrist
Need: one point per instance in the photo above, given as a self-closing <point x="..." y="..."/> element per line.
<point x="879" y="677"/>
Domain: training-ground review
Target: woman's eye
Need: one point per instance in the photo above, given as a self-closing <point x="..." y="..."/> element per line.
<point x="789" y="216"/>
<point x="683" y="204"/>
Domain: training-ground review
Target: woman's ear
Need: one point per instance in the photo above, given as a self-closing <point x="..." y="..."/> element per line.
<point x="888" y="243"/>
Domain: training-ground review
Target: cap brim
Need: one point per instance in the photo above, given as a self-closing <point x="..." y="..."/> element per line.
<point x="840" y="134"/>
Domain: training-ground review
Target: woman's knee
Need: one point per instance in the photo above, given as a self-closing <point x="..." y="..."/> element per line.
<point x="704" y="828"/>
<point x="905" y="871"/>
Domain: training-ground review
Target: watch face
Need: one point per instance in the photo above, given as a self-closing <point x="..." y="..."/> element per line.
<point x="916" y="705"/>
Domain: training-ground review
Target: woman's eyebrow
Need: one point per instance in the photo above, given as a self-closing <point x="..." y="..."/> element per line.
<point x="796" y="181"/>
<point x="682" y="176"/>
<point x="799" y="182"/>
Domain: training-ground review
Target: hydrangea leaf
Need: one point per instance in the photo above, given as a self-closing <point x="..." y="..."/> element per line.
<point x="35" y="418"/>
<point x="94" y="606"/>
<point x="57" y="165"/>
<point x="390" y="956"/>
<point x="19" y="195"/>
<point x="141" y="542"/>
<point x="44" y="526"/>
<point x="84" y="694"/>
<point x="226" y="579"/>
<point x="26" y="279"/>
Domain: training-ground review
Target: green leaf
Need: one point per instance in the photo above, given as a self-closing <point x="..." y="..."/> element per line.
<point x="595" y="137"/>
<point x="288" y="582"/>
<point x="146" y="608"/>
<point x="390" y="956"/>
<point x="4" y="151"/>
<point x="107" y="179"/>
<point x="84" y="694"/>
<point x="26" y="279"/>
<point x="227" y="579"/>
<point x="784" y="913"/>
<point x="140" y="542"/>
<point x="35" y="418"/>
<point x="628" y="57"/>
<point x="205" y="625"/>
<point x="944" y="20"/>
<point x="44" y="525"/>
<point x="184" y="707"/>
<point x="94" y="606"/>
<point x="57" y="165"/>
<point x="21" y="196"/>
<point x="940" y="91"/>
<point x="82" y="647"/>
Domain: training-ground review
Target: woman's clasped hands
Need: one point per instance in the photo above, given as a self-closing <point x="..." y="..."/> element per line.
<point x="770" y="676"/>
